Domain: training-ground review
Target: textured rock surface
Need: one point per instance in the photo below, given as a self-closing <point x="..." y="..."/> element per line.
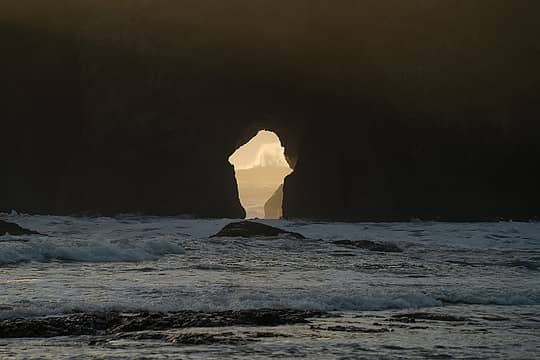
<point x="253" y="229"/>
<point x="116" y="323"/>
<point x="388" y="110"/>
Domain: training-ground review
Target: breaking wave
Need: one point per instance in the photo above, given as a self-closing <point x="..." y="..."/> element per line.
<point x="341" y="300"/>
<point x="45" y="249"/>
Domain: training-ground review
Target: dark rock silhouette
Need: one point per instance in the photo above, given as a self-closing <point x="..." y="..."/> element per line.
<point x="414" y="317"/>
<point x="14" y="229"/>
<point x="253" y="229"/>
<point x="370" y="245"/>
<point x="118" y="323"/>
<point x="273" y="209"/>
<point x="111" y="108"/>
<point x="352" y="329"/>
<point x="189" y="339"/>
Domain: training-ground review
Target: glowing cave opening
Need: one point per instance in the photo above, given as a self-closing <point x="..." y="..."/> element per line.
<point x="261" y="168"/>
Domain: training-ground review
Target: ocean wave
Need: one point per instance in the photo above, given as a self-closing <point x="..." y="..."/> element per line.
<point x="332" y="300"/>
<point x="252" y="274"/>
<point x="45" y="249"/>
<point x="361" y="299"/>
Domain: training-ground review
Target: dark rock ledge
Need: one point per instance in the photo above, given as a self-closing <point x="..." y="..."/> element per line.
<point x="190" y="338"/>
<point x="111" y="323"/>
<point x="370" y="245"/>
<point x="14" y="229"/>
<point x="352" y="329"/>
<point x="421" y="316"/>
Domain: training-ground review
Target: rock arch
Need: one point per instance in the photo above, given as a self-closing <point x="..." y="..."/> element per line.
<point x="111" y="108"/>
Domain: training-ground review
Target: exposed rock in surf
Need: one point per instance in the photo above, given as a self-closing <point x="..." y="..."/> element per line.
<point x="370" y="245"/>
<point x="206" y="339"/>
<point x="186" y="339"/>
<point x="351" y="329"/>
<point x="253" y="229"/>
<point x="413" y="317"/>
<point x="14" y="229"/>
<point x="116" y="323"/>
<point x="190" y="338"/>
<point x="267" y="335"/>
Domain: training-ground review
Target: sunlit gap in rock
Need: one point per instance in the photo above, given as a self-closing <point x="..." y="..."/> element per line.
<point x="261" y="168"/>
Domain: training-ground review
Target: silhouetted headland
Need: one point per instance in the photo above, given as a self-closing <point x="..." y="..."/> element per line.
<point x="388" y="110"/>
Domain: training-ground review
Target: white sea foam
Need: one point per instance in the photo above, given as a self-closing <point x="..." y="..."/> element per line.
<point x="87" y="240"/>
<point x="49" y="249"/>
<point x="315" y="299"/>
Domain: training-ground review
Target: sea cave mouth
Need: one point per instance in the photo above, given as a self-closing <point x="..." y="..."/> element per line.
<point x="260" y="169"/>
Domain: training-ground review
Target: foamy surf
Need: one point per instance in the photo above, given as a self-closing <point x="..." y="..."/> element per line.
<point x="331" y="299"/>
<point x="44" y="249"/>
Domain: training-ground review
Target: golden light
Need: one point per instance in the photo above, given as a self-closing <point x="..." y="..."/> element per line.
<point x="261" y="168"/>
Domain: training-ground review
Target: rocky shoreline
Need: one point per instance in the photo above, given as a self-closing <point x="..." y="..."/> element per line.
<point x="114" y="323"/>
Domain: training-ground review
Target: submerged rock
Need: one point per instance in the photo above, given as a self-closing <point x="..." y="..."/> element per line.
<point x="14" y="229"/>
<point x="370" y="245"/>
<point x="252" y="229"/>
<point x="111" y="323"/>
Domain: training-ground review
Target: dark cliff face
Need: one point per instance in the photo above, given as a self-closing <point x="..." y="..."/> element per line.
<point x="388" y="109"/>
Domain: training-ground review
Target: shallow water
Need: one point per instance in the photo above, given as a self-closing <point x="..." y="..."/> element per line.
<point x="488" y="273"/>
